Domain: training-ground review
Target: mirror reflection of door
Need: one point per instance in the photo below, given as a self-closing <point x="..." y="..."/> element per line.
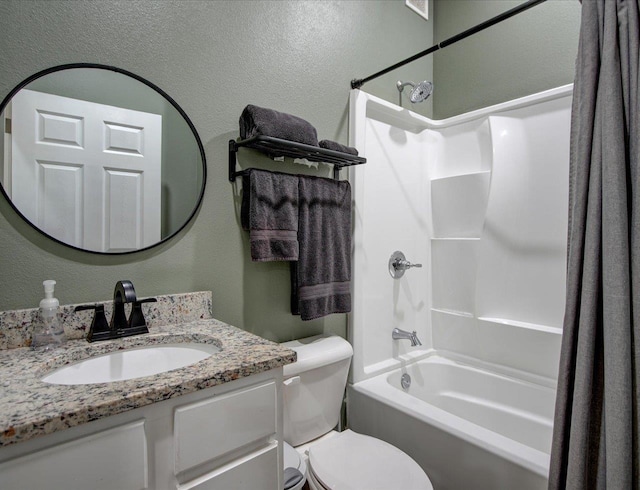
<point x="86" y="173"/>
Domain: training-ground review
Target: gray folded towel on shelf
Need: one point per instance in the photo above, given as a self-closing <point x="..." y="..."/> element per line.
<point x="335" y="146"/>
<point x="269" y="211"/>
<point x="256" y="121"/>
<point x="321" y="279"/>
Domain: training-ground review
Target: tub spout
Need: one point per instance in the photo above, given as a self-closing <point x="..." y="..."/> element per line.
<point x="398" y="334"/>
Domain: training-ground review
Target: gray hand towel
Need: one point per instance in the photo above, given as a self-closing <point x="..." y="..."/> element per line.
<point x="321" y="279"/>
<point x="270" y="213"/>
<point x="256" y="121"/>
<point x="335" y="146"/>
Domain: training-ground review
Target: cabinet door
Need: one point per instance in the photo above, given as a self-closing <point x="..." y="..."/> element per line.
<point x="114" y="459"/>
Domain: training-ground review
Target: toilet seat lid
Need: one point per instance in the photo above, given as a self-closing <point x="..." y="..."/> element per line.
<point x="352" y="461"/>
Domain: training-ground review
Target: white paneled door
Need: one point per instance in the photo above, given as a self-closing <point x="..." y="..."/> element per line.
<point x="87" y="174"/>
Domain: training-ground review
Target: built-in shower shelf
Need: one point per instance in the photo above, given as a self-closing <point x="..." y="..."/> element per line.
<point x="275" y="147"/>
<point x="456" y="239"/>
<point x="521" y="324"/>
<point x="462" y="175"/>
<point x="459" y="203"/>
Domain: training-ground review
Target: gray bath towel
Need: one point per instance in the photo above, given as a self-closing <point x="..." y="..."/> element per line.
<point x="256" y="121"/>
<point x="270" y="213"/>
<point x="321" y="277"/>
<point x="335" y="146"/>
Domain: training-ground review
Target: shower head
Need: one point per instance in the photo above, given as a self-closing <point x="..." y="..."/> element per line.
<point x="419" y="92"/>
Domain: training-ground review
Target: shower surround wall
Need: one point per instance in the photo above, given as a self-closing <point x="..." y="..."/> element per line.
<point x="481" y="200"/>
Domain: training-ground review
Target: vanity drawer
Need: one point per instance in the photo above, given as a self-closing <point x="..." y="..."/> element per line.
<point x="112" y="459"/>
<point x="256" y="471"/>
<point x="211" y="428"/>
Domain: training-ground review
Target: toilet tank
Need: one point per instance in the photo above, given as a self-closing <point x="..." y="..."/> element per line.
<point x="314" y="387"/>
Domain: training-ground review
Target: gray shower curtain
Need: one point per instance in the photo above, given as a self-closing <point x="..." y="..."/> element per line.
<point x="596" y="427"/>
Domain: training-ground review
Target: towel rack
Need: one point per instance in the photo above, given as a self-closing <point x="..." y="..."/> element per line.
<point x="284" y="148"/>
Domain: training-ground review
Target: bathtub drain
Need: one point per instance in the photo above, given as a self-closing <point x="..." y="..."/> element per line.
<point x="405" y="381"/>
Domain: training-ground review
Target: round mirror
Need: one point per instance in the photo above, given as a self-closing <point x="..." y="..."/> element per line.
<point x="100" y="159"/>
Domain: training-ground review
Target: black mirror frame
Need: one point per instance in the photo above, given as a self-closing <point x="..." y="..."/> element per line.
<point x="68" y="66"/>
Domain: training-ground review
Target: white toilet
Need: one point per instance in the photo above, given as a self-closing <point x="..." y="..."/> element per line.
<point x="313" y="391"/>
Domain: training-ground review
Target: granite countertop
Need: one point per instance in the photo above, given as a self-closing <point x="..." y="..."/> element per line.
<point x="30" y="408"/>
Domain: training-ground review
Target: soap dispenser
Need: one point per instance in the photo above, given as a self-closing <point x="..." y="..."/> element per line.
<point x="48" y="332"/>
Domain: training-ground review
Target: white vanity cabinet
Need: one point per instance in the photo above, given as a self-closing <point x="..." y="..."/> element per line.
<point x="226" y="437"/>
<point x="111" y="458"/>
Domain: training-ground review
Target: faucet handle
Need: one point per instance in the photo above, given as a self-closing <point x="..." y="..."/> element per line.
<point x="398" y="264"/>
<point x="99" y="329"/>
<point x="136" y="319"/>
<point x="403" y="265"/>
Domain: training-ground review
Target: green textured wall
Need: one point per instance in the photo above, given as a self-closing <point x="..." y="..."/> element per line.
<point x="528" y="53"/>
<point x="213" y="58"/>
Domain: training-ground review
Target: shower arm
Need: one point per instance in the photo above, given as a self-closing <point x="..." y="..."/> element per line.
<point x="357" y="83"/>
<point x="401" y="85"/>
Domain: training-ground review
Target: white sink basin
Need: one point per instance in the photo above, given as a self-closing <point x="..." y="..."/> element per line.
<point x="130" y="364"/>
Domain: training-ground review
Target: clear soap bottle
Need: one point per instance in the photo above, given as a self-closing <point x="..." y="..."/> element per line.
<point x="48" y="332"/>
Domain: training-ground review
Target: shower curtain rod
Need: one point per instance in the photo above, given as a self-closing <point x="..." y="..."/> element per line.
<point x="357" y="83"/>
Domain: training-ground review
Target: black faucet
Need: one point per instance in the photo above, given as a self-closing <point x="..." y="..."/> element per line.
<point x="119" y="325"/>
<point x="123" y="293"/>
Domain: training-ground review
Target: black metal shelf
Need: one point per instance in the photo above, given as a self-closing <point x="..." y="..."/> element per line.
<point x="276" y="147"/>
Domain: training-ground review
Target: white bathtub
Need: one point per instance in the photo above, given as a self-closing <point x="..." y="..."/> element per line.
<point x="468" y="428"/>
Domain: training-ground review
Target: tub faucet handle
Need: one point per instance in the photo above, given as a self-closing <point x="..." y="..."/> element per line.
<point x="398" y="263"/>
<point x="403" y="265"/>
